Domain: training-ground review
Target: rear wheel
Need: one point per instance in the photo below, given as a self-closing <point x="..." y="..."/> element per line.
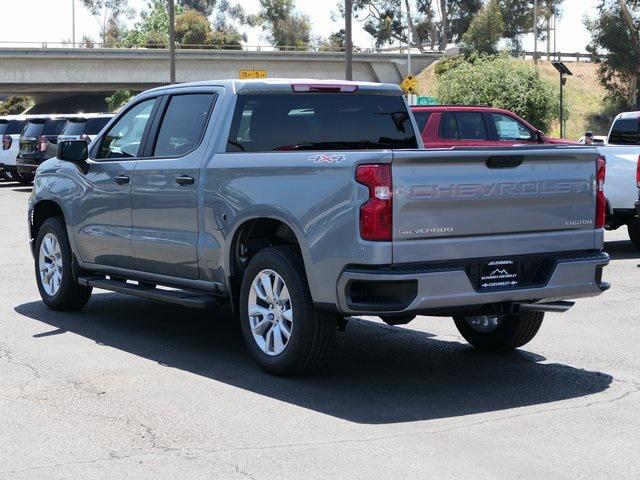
<point x="499" y="332"/>
<point x="283" y="331"/>
<point x="634" y="231"/>
<point x="54" y="276"/>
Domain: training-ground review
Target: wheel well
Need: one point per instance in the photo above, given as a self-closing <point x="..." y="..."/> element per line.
<point x="253" y="236"/>
<point x="41" y="211"/>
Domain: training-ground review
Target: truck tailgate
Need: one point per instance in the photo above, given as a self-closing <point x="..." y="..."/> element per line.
<point x="490" y="202"/>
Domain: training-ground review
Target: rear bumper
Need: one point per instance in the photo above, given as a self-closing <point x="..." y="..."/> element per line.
<point x="440" y="289"/>
<point x="27" y="167"/>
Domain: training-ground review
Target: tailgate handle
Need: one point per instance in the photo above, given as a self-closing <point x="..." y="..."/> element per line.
<point x="507" y="161"/>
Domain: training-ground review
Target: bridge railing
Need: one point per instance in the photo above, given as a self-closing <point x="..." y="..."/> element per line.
<point x="180" y="46"/>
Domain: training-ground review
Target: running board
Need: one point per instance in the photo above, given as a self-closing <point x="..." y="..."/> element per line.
<point x="180" y="297"/>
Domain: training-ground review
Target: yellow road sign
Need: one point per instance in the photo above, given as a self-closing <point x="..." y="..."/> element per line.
<point x="409" y="85"/>
<point x="250" y="74"/>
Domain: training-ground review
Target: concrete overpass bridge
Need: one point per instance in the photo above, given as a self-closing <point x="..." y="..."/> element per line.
<point x="49" y="74"/>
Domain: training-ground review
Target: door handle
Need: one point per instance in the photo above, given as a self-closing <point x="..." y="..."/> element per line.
<point x="185" y="180"/>
<point x="121" y="179"/>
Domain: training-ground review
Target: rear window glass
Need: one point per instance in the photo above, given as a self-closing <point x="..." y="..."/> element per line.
<point x="320" y="121"/>
<point x="625" y="132"/>
<point x="12" y="127"/>
<point x="183" y="124"/>
<point x="471" y="126"/>
<point x="54" y="127"/>
<point x="421" y="119"/>
<point x="33" y="129"/>
<point x="94" y="125"/>
<point x="74" y="127"/>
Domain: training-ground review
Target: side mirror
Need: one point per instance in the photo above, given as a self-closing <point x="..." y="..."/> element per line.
<point x="539" y="136"/>
<point x="74" y="151"/>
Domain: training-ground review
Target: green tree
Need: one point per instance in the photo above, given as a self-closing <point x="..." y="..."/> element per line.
<point x="193" y="28"/>
<point x="110" y="14"/>
<point x="284" y="26"/>
<point x="390" y="20"/>
<point x="15" y="105"/>
<point x="518" y="18"/>
<point x="205" y="7"/>
<point x="615" y="33"/>
<point x="118" y="99"/>
<point x="501" y="82"/>
<point x="485" y="30"/>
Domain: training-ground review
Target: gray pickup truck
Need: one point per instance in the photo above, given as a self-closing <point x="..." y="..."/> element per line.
<point x="301" y="203"/>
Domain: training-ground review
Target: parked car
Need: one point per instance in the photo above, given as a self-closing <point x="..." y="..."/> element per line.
<point x="38" y="142"/>
<point x="11" y="127"/>
<point x="622" y="153"/>
<point x="85" y="126"/>
<point x="300" y="203"/>
<point x="445" y="126"/>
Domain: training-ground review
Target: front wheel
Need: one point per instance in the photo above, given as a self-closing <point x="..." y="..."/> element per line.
<point x="499" y="332"/>
<point x="283" y="331"/>
<point x="634" y="231"/>
<point x="55" y="280"/>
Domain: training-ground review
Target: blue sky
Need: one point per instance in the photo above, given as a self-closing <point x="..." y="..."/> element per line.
<point x="53" y="22"/>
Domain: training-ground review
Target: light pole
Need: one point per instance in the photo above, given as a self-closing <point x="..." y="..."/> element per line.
<point x="73" y="23"/>
<point x="172" y="43"/>
<point x="562" y="70"/>
<point x="348" y="44"/>
<point x="535" y="31"/>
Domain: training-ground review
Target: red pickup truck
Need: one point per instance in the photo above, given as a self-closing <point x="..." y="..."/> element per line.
<point x="464" y="126"/>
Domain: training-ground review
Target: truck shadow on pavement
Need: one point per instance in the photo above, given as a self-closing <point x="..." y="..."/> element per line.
<point x="376" y="374"/>
<point x="621" y="250"/>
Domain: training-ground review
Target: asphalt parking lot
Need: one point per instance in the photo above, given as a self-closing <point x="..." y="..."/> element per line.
<point x="128" y="388"/>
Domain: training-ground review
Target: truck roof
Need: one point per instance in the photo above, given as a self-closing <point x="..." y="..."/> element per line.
<point x="282" y="85"/>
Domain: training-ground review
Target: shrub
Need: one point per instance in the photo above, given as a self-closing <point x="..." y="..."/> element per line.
<point x="501" y="82"/>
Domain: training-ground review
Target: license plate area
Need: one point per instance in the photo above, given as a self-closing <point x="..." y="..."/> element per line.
<point x="499" y="274"/>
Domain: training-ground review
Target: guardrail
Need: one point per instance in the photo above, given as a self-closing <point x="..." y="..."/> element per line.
<point x="179" y="46"/>
<point x="559" y="56"/>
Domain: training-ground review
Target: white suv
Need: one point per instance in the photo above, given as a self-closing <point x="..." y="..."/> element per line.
<point x="11" y="127"/>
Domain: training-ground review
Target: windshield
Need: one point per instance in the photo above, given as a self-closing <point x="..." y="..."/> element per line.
<point x="320" y="121"/>
<point x="34" y="129"/>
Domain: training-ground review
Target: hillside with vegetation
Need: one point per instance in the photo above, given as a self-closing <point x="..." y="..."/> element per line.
<point x="585" y="100"/>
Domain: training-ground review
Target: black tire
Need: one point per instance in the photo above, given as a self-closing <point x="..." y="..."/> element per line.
<point x="634" y="231"/>
<point x="70" y="295"/>
<point x="23" y="180"/>
<point x="513" y="331"/>
<point x="312" y="333"/>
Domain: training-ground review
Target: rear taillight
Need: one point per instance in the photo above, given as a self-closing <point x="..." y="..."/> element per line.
<point x="323" y="88"/>
<point x="43" y="143"/>
<point x="601" y="201"/>
<point x="376" y="214"/>
<point x="6" y="142"/>
<point x="638" y="173"/>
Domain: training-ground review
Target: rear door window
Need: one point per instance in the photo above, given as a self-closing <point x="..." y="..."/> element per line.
<point x="625" y="132"/>
<point x="183" y="124"/>
<point x="33" y="129"/>
<point x="510" y="129"/>
<point x="471" y="126"/>
<point x="320" y="121"/>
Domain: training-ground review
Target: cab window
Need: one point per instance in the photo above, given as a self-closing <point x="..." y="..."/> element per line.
<point x="183" y="124"/>
<point x="509" y="129"/>
<point x="125" y="136"/>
